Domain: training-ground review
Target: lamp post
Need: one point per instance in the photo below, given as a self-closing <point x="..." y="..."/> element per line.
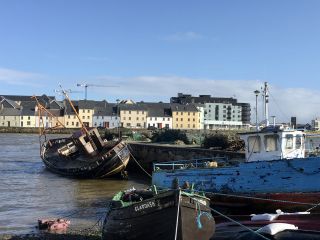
<point x="256" y="92"/>
<point x="118" y="117"/>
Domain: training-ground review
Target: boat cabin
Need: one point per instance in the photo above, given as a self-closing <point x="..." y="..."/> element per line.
<point x="273" y="142"/>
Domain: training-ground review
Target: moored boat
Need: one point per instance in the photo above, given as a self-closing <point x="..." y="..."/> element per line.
<point x="165" y="215"/>
<point x="275" y="168"/>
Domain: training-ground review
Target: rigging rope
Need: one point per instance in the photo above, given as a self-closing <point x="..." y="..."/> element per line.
<point x="177" y="220"/>
<point x="138" y="163"/>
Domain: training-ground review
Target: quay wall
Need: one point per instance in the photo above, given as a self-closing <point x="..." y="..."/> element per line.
<point x="148" y="153"/>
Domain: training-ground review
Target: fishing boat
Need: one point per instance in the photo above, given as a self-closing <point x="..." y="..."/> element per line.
<point x="84" y="154"/>
<point x="275" y="173"/>
<point x="152" y="214"/>
<point x="280" y="226"/>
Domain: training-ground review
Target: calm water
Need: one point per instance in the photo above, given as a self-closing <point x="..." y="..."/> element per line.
<point x="28" y="191"/>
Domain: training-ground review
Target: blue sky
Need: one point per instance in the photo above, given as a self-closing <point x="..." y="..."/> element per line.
<point x="154" y="49"/>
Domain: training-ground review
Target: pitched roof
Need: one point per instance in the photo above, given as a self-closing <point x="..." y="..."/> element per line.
<point x="184" y="108"/>
<point x="107" y="110"/>
<point x="28" y="108"/>
<point x="10" y="112"/>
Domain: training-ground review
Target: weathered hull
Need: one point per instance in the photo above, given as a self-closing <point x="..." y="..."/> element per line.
<point x="108" y="162"/>
<point x="156" y="219"/>
<point x="295" y="180"/>
<point x="308" y="225"/>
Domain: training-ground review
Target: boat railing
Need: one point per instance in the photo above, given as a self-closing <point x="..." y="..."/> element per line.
<point x="192" y="163"/>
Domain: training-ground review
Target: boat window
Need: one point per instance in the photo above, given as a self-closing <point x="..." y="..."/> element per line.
<point x="271" y="142"/>
<point x="254" y="144"/>
<point x="298" y="141"/>
<point x="289" y="141"/>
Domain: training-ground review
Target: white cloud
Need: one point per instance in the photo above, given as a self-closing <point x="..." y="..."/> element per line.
<point x="15" y="77"/>
<point x="284" y="102"/>
<point x="183" y="36"/>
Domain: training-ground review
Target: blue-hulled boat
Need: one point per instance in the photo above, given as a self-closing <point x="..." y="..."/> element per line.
<point x="275" y="167"/>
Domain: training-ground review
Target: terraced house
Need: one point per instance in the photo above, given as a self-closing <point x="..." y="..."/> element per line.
<point x="10" y="113"/>
<point x="133" y="115"/>
<point x="185" y="116"/>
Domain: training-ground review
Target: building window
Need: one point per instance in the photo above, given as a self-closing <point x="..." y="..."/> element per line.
<point x="194" y="119"/>
<point x="181" y="125"/>
<point x="142" y="112"/>
<point x="128" y="124"/>
<point x="142" y="118"/>
<point x="88" y="117"/>
<point x="168" y="119"/>
<point x="72" y="123"/>
<point x="67" y="123"/>
<point x="181" y="113"/>
<point x="163" y="119"/>
<point x="129" y="118"/>
<point x="194" y="114"/>
<point x="188" y="125"/>
<point x="188" y="113"/>
<point x="137" y="118"/>
<point x="194" y="126"/>
<point x="129" y="112"/>
<point x="188" y="119"/>
<point x="137" y="112"/>
<point x="74" y="117"/>
<point x="177" y="125"/>
<point x="177" y="119"/>
<point x="181" y="119"/>
<point x="124" y="118"/>
<point x="29" y="118"/>
<point x="28" y="123"/>
<point x="83" y="111"/>
<point x="68" y="116"/>
<point x="83" y="117"/>
<point x="88" y="111"/>
<point x="155" y="119"/>
<point x="151" y="119"/>
<point x="138" y="125"/>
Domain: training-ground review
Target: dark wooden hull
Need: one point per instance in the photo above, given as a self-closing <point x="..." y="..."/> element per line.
<point x="110" y="161"/>
<point x="269" y="202"/>
<point x="156" y="218"/>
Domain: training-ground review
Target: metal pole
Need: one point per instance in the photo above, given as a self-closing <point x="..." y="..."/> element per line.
<point x="256" y="92"/>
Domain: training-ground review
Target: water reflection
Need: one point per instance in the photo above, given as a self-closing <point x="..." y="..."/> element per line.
<point x="28" y="191"/>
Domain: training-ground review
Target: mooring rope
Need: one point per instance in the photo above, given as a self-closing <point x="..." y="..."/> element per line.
<point x="234" y="221"/>
<point x="177" y="219"/>
<point x="138" y="163"/>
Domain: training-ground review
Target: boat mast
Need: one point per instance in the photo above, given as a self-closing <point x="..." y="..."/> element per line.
<point x="266" y="103"/>
<point x="83" y="127"/>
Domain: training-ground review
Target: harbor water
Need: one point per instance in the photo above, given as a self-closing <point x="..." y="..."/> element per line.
<point x="28" y="191"/>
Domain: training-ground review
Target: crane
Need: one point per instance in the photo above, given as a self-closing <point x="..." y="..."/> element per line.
<point x="61" y="92"/>
<point x="86" y="85"/>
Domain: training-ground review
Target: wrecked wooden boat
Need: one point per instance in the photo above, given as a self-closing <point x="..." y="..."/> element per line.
<point x="84" y="154"/>
<point x="165" y="215"/>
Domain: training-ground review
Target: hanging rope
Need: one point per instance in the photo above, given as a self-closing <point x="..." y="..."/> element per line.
<point x="138" y="162"/>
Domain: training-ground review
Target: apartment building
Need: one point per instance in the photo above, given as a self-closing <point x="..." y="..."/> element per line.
<point x="218" y="112"/>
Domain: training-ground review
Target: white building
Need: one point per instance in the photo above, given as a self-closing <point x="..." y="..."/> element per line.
<point x="159" y="116"/>
<point x="106" y="117"/>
